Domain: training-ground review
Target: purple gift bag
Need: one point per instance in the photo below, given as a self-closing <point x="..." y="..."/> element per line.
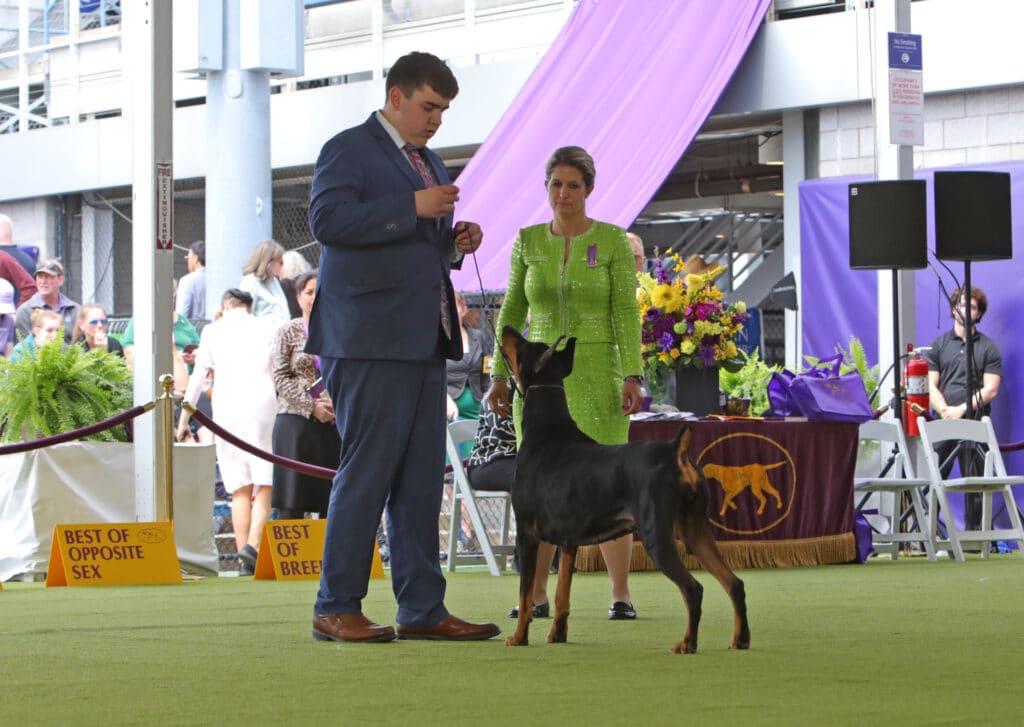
<point x="821" y="393"/>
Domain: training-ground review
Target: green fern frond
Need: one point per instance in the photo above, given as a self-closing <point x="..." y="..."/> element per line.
<point x="57" y="389"/>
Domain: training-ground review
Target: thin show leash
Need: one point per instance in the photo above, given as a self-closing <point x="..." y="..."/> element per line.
<point x="490" y="324"/>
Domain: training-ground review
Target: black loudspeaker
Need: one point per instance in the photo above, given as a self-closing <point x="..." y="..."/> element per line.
<point x="972" y="216"/>
<point x="888" y="224"/>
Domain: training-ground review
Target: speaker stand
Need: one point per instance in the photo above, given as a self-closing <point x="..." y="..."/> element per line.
<point x="897" y="380"/>
<point x="968" y="320"/>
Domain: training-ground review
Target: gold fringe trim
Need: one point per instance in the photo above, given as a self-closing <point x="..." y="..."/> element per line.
<point x="826" y="550"/>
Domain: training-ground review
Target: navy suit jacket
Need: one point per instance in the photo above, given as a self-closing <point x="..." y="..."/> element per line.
<point x="381" y="267"/>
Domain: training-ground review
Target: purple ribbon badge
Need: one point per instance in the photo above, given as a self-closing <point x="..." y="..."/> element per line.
<point x="591" y="256"/>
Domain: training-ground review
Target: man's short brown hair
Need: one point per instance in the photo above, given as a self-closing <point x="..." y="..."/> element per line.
<point x="417" y="69"/>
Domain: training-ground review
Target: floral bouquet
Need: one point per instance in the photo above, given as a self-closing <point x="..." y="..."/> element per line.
<point x="684" y="320"/>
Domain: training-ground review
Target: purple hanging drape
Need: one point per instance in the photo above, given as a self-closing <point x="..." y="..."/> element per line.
<point x="632" y="83"/>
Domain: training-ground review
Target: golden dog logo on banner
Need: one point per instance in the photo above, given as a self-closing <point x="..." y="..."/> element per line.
<point x="752" y="497"/>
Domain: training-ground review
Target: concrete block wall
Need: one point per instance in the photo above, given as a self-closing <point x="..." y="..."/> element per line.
<point x="960" y="129"/>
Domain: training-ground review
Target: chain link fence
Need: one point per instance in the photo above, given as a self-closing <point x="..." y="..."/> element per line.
<point x="93" y="235"/>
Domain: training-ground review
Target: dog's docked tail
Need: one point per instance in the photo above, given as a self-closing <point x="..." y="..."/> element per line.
<point x="688" y="474"/>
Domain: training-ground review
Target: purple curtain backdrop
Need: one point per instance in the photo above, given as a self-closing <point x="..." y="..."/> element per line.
<point x="629" y="82"/>
<point x="836" y="301"/>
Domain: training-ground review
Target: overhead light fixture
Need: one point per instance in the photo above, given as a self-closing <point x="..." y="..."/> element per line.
<point x="769" y="149"/>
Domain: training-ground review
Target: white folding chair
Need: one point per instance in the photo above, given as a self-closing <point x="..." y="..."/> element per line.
<point x="993" y="479"/>
<point x="495" y="554"/>
<point x="895" y="478"/>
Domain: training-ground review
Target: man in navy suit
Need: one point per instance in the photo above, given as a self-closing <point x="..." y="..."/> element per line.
<point x="382" y="206"/>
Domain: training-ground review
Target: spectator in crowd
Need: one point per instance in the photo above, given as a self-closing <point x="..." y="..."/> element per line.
<point x="191" y="300"/>
<point x="49" y="279"/>
<point x="45" y="326"/>
<point x="382" y="207"/>
<point x="948" y="385"/>
<point x="466" y="376"/>
<point x="292" y="266"/>
<point x="92" y="330"/>
<point x="186" y="338"/>
<point x="260" y="279"/>
<point x="637" y="245"/>
<point x="7" y="245"/>
<point x="576" y="276"/>
<point x="237" y="347"/>
<point x="7" y="310"/>
<point x="304" y="429"/>
<point x="22" y="282"/>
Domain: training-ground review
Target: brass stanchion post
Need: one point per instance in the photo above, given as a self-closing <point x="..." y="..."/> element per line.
<point x="166" y="471"/>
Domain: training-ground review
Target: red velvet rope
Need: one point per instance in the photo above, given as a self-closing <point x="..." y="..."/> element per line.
<point x="1014" y="447"/>
<point x="77" y="433"/>
<point x="308" y="469"/>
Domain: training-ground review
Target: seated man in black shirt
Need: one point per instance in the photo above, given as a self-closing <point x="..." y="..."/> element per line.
<point x="947" y="379"/>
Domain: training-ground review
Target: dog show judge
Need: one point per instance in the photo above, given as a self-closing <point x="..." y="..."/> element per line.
<point x="576" y="276"/>
<point x="382" y="206"/>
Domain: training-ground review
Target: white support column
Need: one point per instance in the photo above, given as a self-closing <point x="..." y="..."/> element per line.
<point x="147" y="59"/>
<point x="794" y="171"/>
<point x="239" y="196"/>
<point x="23" y="48"/>
<point x="895" y="162"/>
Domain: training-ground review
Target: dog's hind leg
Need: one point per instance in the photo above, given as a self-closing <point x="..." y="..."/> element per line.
<point x="661" y="546"/>
<point x="699" y="541"/>
<point x="526" y="549"/>
<point x="559" y="632"/>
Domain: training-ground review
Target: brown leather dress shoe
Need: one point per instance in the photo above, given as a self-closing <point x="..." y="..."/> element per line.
<point x="349" y="627"/>
<point x="450" y="628"/>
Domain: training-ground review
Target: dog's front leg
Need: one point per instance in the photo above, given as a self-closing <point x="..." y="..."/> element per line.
<point x="526" y="549"/>
<point x="559" y="632"/>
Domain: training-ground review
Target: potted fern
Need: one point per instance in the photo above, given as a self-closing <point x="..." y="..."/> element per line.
<point x="57" y="389"/>
<point x="749" y="381"/>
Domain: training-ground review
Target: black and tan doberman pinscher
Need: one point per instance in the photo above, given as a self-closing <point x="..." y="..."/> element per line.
<point x="572" y="491"/>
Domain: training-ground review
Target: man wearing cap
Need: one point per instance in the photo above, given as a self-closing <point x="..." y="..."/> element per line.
<point x="49" y="279"/>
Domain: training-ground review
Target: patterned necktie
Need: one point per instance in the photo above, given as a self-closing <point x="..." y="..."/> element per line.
<point x="417" y="161"/>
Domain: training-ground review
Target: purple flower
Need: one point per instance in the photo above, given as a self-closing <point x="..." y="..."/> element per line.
<point x="707" y="355"/>
<point x="665" y="341"/>
<point x="661" y="274"/>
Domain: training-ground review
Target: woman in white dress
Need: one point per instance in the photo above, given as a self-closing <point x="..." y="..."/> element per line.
<point x="260" y="279"/>
<point x="237" y="347"/>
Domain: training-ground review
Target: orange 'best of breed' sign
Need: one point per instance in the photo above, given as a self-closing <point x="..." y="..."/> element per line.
<point x="104" y="554"/>
<point x="291" y="550"/>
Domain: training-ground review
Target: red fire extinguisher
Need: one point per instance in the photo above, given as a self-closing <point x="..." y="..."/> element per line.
<point x="916" y="387"/>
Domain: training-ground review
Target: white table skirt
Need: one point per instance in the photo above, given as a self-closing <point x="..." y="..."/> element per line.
<point x="92" y="482"/>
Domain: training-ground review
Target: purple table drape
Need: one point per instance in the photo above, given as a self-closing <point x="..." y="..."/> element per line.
<point x="781" y="493"/>
<point x="631" y="83"/>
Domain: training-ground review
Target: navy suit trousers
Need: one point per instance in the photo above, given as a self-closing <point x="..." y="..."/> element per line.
<point x="391" y="418"/>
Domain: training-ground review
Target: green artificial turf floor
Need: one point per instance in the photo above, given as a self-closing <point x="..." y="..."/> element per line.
<point x="905" y="643"/>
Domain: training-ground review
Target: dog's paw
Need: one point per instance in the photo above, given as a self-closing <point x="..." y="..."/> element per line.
<point x="513" y="640"/>
<point x="740" y="644"/>
<point x="684" y="647"/>
<point x="559" y="632"/>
